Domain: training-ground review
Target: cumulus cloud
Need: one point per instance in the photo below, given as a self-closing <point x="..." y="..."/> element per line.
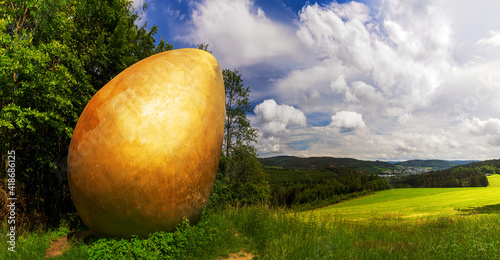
<point x="400" y="56"/>
<point x="387" y="64"/>
<point x="240" y="33"/>
<point x="421" y="76"/>
<point x="273" y="119"/>
<point x="347" y="121"/>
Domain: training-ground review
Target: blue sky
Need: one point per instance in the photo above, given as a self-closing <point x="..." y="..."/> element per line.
<point x="376" y="80"/>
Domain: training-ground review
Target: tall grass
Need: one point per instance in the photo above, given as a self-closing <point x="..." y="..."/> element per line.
<point x="30" y="245"/>
<point x="285" y="235"/>
<point x="462" y="223"/>
<point x="282" y="234"/>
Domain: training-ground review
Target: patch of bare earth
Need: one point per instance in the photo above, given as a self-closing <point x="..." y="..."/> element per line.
<point x="242" y="255"/>
<point x="61" y="245"/>
<point x="58" y="247"/>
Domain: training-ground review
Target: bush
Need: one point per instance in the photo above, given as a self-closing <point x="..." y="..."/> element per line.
<point x="208" y="239"/>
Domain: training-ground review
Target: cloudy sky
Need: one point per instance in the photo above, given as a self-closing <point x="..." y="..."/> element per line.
<point x="375" y="80"/>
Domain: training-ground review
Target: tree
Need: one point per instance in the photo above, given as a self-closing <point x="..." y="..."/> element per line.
<point x="54" y="56"/>
<point x="204" y="47"/>
<point x="238" y="131"/>
<point x="248" y="181"/>
<point x="240" y="176"/>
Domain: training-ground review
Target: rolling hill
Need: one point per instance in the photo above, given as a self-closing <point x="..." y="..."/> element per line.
<point x="321" y="162"/>
<point x="492" y="163"/>
<point x="433" y="164"/>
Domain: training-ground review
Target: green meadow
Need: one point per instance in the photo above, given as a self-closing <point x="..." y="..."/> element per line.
<point x="428" y="223"/>
<point x="417" y="203"/>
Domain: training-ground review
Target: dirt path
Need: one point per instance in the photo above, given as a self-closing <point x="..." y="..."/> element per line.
<point x="61" y="245"/>
<point x="58" y="247"/>
<point x="242" y="255"/>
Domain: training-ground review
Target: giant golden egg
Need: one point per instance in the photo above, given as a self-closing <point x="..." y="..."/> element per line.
<point x="146" y="148"/>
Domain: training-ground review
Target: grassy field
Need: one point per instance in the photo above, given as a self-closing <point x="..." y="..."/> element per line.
<point x="409" y="204"/>
<point x="451" y="223"/>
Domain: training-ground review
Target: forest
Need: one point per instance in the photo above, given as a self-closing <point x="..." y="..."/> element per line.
<point x="372" y="167"/>
<point x="453" y="177"/>
<point x="433" y="164"/>
<point x="303" y="188"/>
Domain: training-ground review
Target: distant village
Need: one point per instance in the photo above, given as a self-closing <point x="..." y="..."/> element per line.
<point x="405" y="170"/>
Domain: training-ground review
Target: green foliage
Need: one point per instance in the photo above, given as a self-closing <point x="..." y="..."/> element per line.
<point x="454" y="177"/>
<point x="320" y="187"/>
<point x="284" y="235"/>
<point x="237" y="129"/>
<point x="31" y="245"/>
<point x="249" y="183"/>
<point x="54" y="55"/>
<point x="240" y="176"/>
<point x="244" y="182"/>
<point x="204" y="47"/>
<point x="371" y="167"/>
<point x="211" y="237"/>
<point x="490" y="163"/>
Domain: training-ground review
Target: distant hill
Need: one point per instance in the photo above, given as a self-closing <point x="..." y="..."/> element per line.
<point x="495" y="162"/>
<point x="462" y="162"/>
<point x="434" y="164"/>
<point x="321" y="162"/>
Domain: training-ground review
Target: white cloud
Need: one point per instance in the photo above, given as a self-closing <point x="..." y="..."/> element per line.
<point x="476" y="126"/>
<point x="273" y="119"/>
<point x="347" y="121"/>
<point x="240" y="33"/>
<point x="397" y="69"/>
<point x="492" y="41"/>
<point x="421" y="76"/>
<point x="488" y="130"/>
<point x="405" y="66"/>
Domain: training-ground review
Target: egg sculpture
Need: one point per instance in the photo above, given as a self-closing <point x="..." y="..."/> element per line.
<point x="146" y="148"/>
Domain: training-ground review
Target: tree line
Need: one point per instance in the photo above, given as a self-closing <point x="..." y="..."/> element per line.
<point x="321" y="186"/>
<point x="453" y="177"/>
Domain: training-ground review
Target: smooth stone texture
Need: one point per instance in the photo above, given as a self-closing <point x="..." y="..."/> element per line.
<point x="145" y="151"/>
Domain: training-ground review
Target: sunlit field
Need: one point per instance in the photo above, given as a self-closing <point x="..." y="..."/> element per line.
<point x="409" y="204"/>
<point x="448" y="223"/>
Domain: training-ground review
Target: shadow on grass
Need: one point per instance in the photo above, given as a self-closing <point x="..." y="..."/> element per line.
<point x="488" y="209"/>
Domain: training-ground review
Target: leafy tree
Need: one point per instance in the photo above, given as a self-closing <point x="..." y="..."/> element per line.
<point x="238" y="131"/>
<point x="241" y="176"/>
<point x="54" y="55"/>
<point x="248" y="180"/>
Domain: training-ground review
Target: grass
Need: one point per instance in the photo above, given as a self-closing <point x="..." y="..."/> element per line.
<point x="395" y="224"/>
<point x="409" y="204"/>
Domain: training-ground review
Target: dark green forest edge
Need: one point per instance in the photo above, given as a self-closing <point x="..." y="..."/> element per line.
<point x="50" y="67"/>
<point x="304" y="183"/>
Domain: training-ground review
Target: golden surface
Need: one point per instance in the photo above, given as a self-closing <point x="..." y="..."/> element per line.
<point x="146" y="149"/>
